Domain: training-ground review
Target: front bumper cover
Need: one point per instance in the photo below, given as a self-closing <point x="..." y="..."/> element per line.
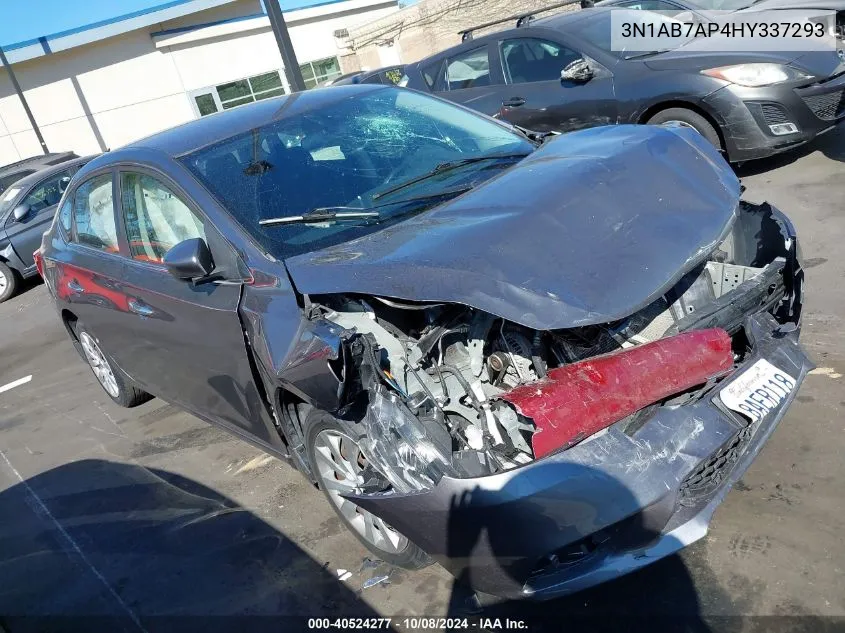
<point x="745" y="132"/>
<point x="621" y="491"/>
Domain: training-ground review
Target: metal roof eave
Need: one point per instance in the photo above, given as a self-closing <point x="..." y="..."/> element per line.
<point x="65" y="40"/>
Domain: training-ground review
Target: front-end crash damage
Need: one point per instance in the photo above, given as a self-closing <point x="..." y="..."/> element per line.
<point x="538" y="460"/>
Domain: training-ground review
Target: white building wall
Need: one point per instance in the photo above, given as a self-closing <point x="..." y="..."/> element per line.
<point x="215" y="61"/>
<point x="111" y="92"/>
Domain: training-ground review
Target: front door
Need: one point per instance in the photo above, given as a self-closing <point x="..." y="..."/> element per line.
<point x="538" y="99"/>
<point x="187" y="342"/>
<point x="25" y="234"/>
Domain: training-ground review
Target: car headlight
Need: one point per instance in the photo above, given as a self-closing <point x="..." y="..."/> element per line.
<point x="756" y="75"/>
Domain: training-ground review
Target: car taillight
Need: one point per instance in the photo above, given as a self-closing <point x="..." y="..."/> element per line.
<point x="39" y="262"/>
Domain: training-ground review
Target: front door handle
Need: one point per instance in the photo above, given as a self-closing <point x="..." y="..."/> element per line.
<point x="75" y="286"/>
<point x="138" y="307"/>
<point x="513" y="102"/>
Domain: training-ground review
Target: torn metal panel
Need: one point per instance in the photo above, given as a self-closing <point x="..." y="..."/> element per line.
<point x="493" y="530"/>
<point x="567" y="237"/>
<point x="577" y="400"/>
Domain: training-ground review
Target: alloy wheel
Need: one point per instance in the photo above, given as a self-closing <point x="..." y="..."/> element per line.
<point x="682" y="124"/>
<point x="4" y="283"/>
<point x="340" y="466"/>
<point x="99" y="365"/>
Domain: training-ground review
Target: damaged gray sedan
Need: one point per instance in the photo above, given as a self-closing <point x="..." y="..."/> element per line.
<point x="541" y="363"/>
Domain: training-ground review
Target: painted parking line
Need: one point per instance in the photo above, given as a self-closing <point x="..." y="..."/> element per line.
<point x="16" y="383"/>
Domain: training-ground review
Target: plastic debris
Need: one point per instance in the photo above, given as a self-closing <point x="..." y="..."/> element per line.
<point x="376" y="580"/>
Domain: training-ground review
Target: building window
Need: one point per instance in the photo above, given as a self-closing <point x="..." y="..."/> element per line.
<point x="235" y="93"/>
<point x="316" y="72"/>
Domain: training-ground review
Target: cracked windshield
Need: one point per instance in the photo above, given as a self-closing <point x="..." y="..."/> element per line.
<point x="390" y="151"/>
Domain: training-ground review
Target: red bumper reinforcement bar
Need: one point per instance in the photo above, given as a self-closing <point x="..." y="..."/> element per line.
<point x="578" y="400"/>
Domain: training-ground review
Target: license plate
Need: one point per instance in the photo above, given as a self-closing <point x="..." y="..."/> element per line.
<point x="759" y="390"/>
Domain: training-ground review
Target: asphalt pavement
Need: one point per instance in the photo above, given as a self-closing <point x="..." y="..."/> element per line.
<point x="147" y="519"/>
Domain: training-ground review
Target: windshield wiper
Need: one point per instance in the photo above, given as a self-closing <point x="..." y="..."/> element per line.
<point x="647" y="54"/>
<point x="535" y="137"/>
<point x="321" y="214"/>
<point x="443" y="168"/>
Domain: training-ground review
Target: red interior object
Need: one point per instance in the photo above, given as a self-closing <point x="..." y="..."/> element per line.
<point x="578" y="400"/>
<point x="39" y="262"/>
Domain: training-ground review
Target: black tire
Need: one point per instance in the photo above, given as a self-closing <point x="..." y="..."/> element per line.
<point x="317" y="422"/>
<point x="122" y="392"/>
<point x="690" y="118"/>
<point x="9" y="282"/>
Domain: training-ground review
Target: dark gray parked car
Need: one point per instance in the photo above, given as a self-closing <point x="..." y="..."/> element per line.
<point x="26" y="209"/>
<point x="560" y="74"/>
<point x="9" y="174"/>
<point x="511" y="357"/>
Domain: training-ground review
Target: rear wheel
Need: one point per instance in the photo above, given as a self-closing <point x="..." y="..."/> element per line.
<point x="341" y="468"/>
<point x="688" y="118"/>
<point x="114" y="382"/>
<point x="8" y="282"/>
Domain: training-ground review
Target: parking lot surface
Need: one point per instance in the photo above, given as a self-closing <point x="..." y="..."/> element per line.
<point x="130" y="515"/>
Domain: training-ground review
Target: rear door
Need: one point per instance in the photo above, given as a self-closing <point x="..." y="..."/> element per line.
<point x="89" y="271"/>
<point x="536" y="96"/>
<point x="184" y="342"/>
<point x="471" y="78"/>
<point x="25" y="234"/>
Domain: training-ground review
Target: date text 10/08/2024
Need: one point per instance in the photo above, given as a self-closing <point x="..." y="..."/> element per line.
<point x="419" y="623"/>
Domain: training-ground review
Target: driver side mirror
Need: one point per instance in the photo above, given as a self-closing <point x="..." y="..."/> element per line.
<point x="21" y="211"/>
<point x="580" y="71"/>
<point x="189" y="260"/>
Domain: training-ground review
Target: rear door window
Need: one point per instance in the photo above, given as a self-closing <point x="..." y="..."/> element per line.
<point x="469" y="70"/>
<point x="93" y="214"/>
<point x="529" y="59"/>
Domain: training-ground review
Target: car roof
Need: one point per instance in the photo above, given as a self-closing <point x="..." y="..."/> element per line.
<point x="363" y="75"/>
<point x="211" y="129"/>
<point x="560" y="21"/>
<point x="45" y="172"/>
<point x="36" y="162"/>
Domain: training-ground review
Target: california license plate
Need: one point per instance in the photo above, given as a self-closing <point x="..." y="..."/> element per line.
<point x="759" y="390"/>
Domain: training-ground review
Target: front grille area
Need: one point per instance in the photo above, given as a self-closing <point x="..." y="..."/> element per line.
<point x="773" y="113"/>
<point x="711" y="472"/>
<point x="827" y="106"/>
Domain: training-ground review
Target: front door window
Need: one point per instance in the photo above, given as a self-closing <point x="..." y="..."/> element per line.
<point x="156" y="219"/>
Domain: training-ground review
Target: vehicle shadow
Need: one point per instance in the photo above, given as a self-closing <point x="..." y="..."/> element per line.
<point x="660" y="597"/>
<point x="831" y="144"/>
<point x="96" y="545"/>
<point x="25" y="285"/>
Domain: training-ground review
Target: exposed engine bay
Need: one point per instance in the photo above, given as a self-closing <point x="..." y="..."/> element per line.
<point x="445" y="389"/>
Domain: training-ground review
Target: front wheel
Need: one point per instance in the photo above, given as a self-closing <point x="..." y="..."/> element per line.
<point x="688" y="118"/>
<point x="114" y="382"/>
<point x="8" y="282"/>
<point x="341" y="468"/>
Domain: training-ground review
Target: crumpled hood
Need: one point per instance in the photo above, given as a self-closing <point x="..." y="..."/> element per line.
<point x="590" y="228"/>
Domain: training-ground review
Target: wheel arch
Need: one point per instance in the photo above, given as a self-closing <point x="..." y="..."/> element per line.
<point x="687" y="105"/>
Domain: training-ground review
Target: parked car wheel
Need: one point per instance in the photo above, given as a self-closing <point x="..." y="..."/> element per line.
<point x="8" y="282"/>
<point x="339" y="467"/>
<point x="114" y="382"/>
<point x="688" y="118"/>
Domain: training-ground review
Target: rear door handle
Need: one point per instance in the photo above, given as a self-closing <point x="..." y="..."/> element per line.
<point x="139" y="307"/>
<point x="513" y="102"/>
<point x="75" y="286"/>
